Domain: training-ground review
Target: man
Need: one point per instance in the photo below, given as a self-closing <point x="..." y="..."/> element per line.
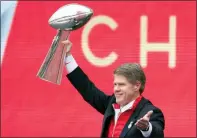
<point x="126" y="113"/>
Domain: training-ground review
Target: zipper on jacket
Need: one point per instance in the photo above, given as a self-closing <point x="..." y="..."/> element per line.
<point x="115" y="124"/>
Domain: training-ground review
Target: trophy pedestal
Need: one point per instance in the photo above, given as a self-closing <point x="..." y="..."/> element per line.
<point x="52" y="67"/>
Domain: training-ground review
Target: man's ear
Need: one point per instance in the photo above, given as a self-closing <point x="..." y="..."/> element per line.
<point x="137" y="85"/>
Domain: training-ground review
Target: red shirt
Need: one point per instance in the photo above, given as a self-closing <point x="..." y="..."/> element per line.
<point x="116" y="129"/>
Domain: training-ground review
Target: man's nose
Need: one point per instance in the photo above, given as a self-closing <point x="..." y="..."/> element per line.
<point x="116" y="88"/>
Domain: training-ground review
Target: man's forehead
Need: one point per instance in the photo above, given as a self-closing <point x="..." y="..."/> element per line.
<point x="120" y="78"/>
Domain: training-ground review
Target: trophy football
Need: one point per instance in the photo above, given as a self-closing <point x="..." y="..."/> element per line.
<point x="66" y="19"/>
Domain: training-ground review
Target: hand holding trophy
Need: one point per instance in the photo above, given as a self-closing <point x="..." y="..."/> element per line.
<point x="66" y="19"/>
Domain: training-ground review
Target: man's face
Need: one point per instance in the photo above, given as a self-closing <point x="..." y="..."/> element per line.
<point x="124" y="91"/>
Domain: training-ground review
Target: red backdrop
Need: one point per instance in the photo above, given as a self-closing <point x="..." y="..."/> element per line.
<point x="33" y="107"/>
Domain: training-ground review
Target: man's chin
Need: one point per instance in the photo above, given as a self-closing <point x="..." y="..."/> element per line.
<point x="120" y="102"/>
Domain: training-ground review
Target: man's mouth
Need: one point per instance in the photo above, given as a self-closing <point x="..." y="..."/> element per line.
<point x="118" y="94"/>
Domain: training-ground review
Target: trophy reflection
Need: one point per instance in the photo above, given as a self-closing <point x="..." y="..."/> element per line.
<point x="66" y="19"/>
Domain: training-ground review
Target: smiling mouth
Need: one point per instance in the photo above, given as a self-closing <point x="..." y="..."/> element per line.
<point x="118" y="94"/>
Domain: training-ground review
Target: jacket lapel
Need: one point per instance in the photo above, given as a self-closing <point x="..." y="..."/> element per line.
<point x="132" y="120"/>
<point x="107" y="117"/>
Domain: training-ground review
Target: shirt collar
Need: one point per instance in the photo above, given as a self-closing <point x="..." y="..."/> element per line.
<point x="123" y="108"/>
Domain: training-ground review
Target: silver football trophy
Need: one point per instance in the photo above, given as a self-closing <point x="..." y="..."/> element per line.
<point x="66" y="19"/>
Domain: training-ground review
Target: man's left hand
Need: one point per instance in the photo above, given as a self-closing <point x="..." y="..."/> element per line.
<point x="143" y="123"/>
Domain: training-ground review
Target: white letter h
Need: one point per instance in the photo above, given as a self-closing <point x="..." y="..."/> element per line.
<point x="146" y="47"/>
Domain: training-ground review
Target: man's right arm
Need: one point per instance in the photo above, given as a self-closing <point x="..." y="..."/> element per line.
<point x="90" y="93"/>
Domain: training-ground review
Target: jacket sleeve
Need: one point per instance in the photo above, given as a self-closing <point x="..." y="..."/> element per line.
<point x="158" y="124"/>
<point x="90" y="93"/>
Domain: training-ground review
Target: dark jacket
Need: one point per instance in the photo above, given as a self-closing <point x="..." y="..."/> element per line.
<point x="103" y="104"/>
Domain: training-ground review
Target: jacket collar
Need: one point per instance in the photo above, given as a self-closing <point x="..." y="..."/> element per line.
<point x="110" y="113"/>
<point x="133" y="117"/>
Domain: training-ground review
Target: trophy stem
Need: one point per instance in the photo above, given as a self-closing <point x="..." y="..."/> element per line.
<point x="52" y="67"/>
<point x="64" y="50"/>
